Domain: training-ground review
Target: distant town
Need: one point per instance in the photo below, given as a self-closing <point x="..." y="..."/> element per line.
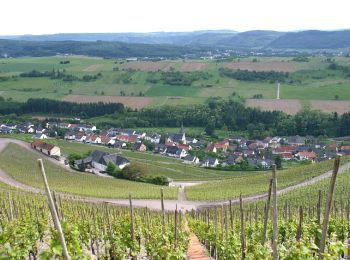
<point x="232" y="153"/>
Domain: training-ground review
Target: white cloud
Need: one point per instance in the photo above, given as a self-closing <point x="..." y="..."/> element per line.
<point x="45" y="16"/>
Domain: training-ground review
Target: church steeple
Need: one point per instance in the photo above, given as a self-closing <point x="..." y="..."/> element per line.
<point x="182" y="129"/>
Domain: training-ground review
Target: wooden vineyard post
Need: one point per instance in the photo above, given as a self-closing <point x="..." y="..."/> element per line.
<point x="231" y="216"/>
<point x="266" y="217"/>
<point x="319" y="206"/>
<point x="175" y="226"/>
<point x="328" y="207"/>
<point x="163" y="212"/>
<point x="53" y="212"/>
<point x="274" y="214"/>
<point x="243" y="242"/>
<point x="132" y="222"/>
<point x="301" y="217"/>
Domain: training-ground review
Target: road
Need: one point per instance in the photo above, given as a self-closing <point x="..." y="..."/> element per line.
<point x="181" y="202"/>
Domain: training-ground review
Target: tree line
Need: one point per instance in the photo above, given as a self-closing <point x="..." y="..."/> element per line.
<point x="57" y="74"/>
<point x="232" y="115"/>
<point x="49" y="106"/>
<point x="216" y="113"/>
<point x="246" y="75"/>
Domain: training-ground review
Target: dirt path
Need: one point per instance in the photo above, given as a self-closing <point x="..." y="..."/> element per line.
<point x="181" y="203"/>
<point x="196" y="250"/>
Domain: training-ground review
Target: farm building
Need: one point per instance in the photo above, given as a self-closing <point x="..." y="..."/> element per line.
<point x="47" y="149"/>
<point x="139" y="147"/>
<point x="99" y="160"/>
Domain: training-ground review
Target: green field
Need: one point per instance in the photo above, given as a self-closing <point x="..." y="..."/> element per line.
<point x="315" y="81"/>
<point x="22" y="166"/>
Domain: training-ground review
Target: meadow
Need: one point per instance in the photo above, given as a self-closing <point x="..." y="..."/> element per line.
<point x="311" y="80"/>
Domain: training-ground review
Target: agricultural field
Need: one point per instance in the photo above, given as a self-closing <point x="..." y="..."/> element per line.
<point x="248" y="185"/>
<point x="133" y="102"/>
<point x="28" y="232"/>
<point x="290" y="106"/>
<point x="22" y="166"/>
<point x="141" y="83"/>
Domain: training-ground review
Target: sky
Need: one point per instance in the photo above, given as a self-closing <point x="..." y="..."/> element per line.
<point x="87" y="16"/>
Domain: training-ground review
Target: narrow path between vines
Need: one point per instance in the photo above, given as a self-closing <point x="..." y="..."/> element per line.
<point x="195" y="250"/>
<point x="154" y="204"/>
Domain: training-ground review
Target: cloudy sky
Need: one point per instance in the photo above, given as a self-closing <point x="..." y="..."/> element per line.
<point x="67" y="16"/>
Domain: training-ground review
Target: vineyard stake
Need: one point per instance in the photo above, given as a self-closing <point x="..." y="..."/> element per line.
<point x="274" y="214"/>
<point x="328" y="207"/>
<point x="53" y="212"/>
<point x="243" y="242"/>
<point x="319" y="206"/>
<point x="175" y="226"/>
<point x="132" y="223"/>
<point x="301" y="216"/>
<point x="267" y="209"/>
<point x="163" y="212"/>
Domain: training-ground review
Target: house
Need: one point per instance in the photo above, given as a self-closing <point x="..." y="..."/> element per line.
<point x="5" y="130"/>
<point x="80" y="137"/>
<point x="344" y="148"/>
<point x="304" y="155"/>
<point x="64" y="125"/>
<point x="210" y="162"/>
<point x="173" y="151"/>
<point x="287" y="156"/>
<point x="105" y="139"/>
<point x="190" y="140"/>
<point x="39" y="136"/>
<point x="47" y="149"/>
<point x="83" y="127"/>
<point x="127" y="132"/>
<point x="93" y="139"/>
<point x="296" y="140"/>
<point x="40" y="130"/>
<point x="283" y="149"/>
<point x="99" y="160"/>
<point x="191" y="159"/>
<point x="139" y="134"/>
<point x="127" y="138"/>
<point x="69" y="135"/>
<point x="153" y="138"/>
<point x="160" y="148"/>
<point x="118" y="144"/>
<point x="139" y="147"/>
<point x="185" y="147"/>
<point x="232" y="159"/>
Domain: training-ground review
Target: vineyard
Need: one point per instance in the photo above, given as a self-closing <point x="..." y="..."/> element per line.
<point x="307" y="222"/>
<point x="91" y="231"/>
<point x="21" y="166"/>
<point x="248" y="231"/>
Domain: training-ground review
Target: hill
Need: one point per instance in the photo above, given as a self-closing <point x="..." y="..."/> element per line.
<point x="176" y="38"/>
<point x="310" y="39"/>
<point x="16" y="48"/>
<point x="251" y="39"/>
<point x="313" y="40"/>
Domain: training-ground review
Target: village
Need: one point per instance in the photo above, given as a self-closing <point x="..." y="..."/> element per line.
<point x="233" y="153"/>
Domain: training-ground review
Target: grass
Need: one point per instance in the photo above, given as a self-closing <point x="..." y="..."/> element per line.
<point x="316" y="81"/>
<point x="22" y="166"/>
<point x="256" y="184"/>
